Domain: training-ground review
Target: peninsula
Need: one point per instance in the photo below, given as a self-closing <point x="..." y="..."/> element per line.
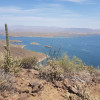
<point x="19" y="51"/>
<point x="15" y="41"/>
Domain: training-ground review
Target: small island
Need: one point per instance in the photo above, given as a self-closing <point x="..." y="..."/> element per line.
<point x="48" y="46"/>
<point x="15" y="41"/>
<point x="35" y="43"/>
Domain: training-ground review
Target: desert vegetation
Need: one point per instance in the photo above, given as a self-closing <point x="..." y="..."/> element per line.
<point x="69" y="78"/>
<point x="29" y="63"/>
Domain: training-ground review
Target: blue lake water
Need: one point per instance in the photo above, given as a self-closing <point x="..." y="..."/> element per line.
<point x="87" y="48"/>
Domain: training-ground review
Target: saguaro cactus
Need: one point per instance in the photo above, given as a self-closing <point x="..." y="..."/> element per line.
<point x="7" y="41"/>
<point x="8" y="56"/>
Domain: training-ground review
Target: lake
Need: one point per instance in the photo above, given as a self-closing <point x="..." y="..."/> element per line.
<point x="87" y="48"/>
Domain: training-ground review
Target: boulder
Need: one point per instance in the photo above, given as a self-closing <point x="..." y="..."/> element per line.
<point x="73" y="90"/>
<point x="67" y="82"/>
<point x="58" y="84"/>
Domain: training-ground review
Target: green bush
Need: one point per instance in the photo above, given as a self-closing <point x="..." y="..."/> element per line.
<point x="29" y="63"/>
<point x="69" y="65"/>
<point x="57" y="67"/>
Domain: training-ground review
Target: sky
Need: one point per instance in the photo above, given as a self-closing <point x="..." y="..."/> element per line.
<point x="51" y="13"/>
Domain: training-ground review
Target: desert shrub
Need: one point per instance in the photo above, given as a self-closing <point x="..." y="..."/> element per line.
<point x="91" y="69"/>
<point x="51" y="72"/>
<point x="29" y="63"/>
<point x="70" y="65"/>
<point x="8" y="63"/>
<point x="63" y="65"/>
<point x="6" y="82"/>
<point x="64" y="62"/>
<point x="15" y="65"/>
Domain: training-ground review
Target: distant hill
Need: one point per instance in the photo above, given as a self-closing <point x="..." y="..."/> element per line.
<point x="48" y="31"/>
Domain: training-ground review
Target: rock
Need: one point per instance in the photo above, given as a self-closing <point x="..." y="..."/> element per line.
<point x="73" y="90"/>
<point x="36" y="72"/>
<point x="26" y="91"/>
<point x="62" y="77"/>
<point x="82" y="76"/>
<point x="78" y="85"/>
<point x="36" y="87"/>
<point x="67" y="82"/>
<point x="58" y="84"/>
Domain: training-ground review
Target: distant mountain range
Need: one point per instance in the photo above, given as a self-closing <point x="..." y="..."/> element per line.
<point x="47" y="31"/>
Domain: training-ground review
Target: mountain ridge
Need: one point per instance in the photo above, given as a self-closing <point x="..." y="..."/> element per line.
<point x="21" y="30"/>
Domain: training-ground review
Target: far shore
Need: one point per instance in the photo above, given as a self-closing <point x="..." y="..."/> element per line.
<point x="48" y="35"/>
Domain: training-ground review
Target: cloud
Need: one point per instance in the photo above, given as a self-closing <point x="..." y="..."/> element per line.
<point x="45" y="15"/>
<point x="50" y="10"/>
<point x="34" y="21"/>
<point x="16" y="10"/>
<point x="89" y="2"/>
<point x="56" y="22"/>
<point x="76" y="1"/>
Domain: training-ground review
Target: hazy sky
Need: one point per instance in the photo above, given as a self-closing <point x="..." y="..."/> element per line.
<point x="58" y="13"/>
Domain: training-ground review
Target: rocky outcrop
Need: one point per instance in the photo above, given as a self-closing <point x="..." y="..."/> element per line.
<point x="28" y="86"/>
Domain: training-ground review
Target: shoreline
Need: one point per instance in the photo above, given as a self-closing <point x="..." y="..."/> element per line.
<point x="16" y="45"/>
<point x="40" y="60"/>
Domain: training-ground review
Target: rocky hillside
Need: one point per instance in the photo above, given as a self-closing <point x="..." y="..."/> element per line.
<point x="28" y="86"/>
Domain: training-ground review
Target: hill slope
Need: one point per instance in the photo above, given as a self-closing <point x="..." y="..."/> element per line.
<point x="17" y="51"/>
